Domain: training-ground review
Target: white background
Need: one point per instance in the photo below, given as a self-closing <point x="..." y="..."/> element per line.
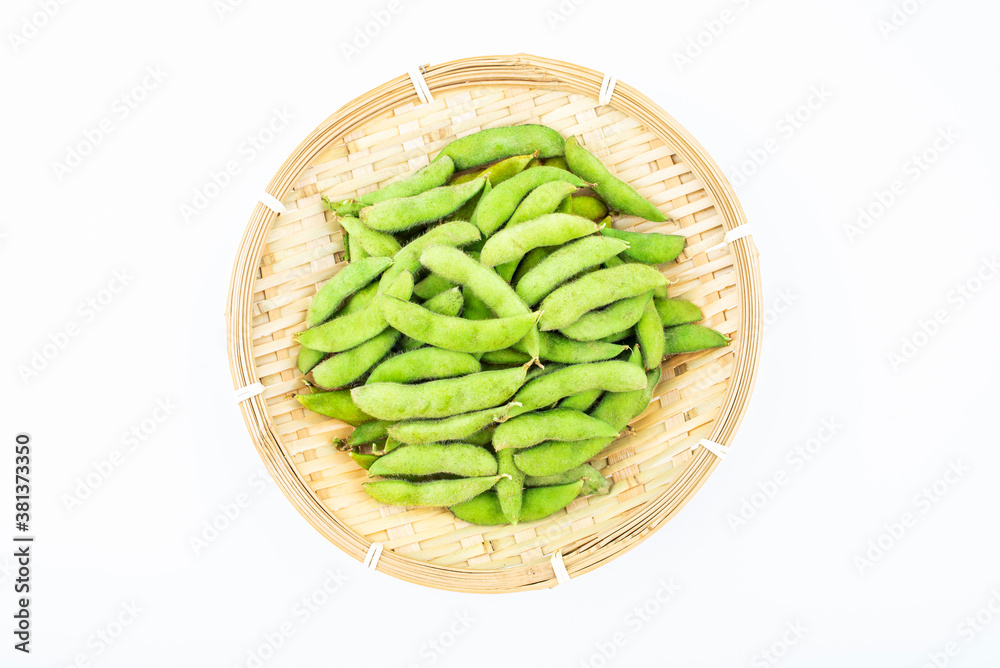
<point x="837" y="306"/>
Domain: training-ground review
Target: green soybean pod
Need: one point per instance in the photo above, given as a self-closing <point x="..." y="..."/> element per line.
<point x="505" y="357"/>
<point x="564" y="264"/>
<point x="348" y="331"/>
<point x="460" y="427"/>
<point x="610" y="376"/>
<point x="431" y="286"/>
<point x="561" y="424"/>
<point x="430" y="494"/>
<point x="449" y="302"/>
<point x="530" y="261"/>
<point x="558" y="348"/>
<point x="677" y="312"/>
<point x="581" y="401"/>
<point x="499" y="205"/>
<point x="369" y="433"/>
<point x="434" y="175"/>
<point x="460" y="268"/>
<point x="344" y="283"/>
<point x="336" y="404"/>
<point x="617" y="337"/>
<point x="616" y="193"/>
<point x="402" y="213"/>
<point x="344" y="368"/>
<point x="691" y="338"/>
<point x="558" y="162"/>
<point x="496" y="143"/>
<point x="458" y="334"/>
<point x="649" y="332"/>
<point x="462" y="459"/>
<point x="510" y="488"/>
<point x="353" y="250"/>
<point x="363" y="460"/>
<point x="474" y="308"/>
<point x="540" y="201"/>
<point x="390" y="445"/>
<point x="466" y="211"/>
<point x="439" y="398"/>
<point x="423" y="364"/>
<point x="588" y="207"/>
<point x="457" y="233"/>
<point x="593" y="480"/>
<point x="499" y="171"/>
<point x="617" y="317"/>
<point x="659" y="292"/>
<point x="308" y="358"/>
<point x="564" y="305"/>
<point x="552" y="229"/>
<point x="374" y="243"/>
<point x="482" y="438"/>
<point x="345" y="207"/>
<point x="537" y="503"/>
<point x="648" y="247"/>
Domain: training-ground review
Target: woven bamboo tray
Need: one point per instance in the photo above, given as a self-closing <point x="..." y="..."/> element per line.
<point x="283" y="259"/>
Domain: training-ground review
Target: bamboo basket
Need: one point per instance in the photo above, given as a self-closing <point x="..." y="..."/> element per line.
<point x="655" y="469"/>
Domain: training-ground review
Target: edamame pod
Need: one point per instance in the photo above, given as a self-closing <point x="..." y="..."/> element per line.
<point x="373" y="432"/>
<point x="466" y="211"/>
<point x="496" y="143"/>
<point x="375" y="243"/>
<point x="460" y="427"/>
<point x="460" y="268"/>
<point x="336" y="404"/>
<point x="558" y="161"/>
<point x="540" y="201"/>
<point x="648" y="247"/>
<point x="557" y="348"/>
<point x="691" y="338"/>
<point x="431" y="286"/>
<point x="429" y="176"/>
<point x="394" y="215"/>
<point x="363" y="460"/>
<point x="587" y="207"/>
<point x="499" y="205"/>
<point x="434" y="493"/>
<point x="509" y="488"/>
<point x="423" y="364"/>
<point x="449" y="302"/>
<point x="351" y="330"/>
<point x="594" y="481"/>
<point x="506" y="357"/>
<point x="458" y="334"/>
<point x="457" y="233"/>
<point x="344" y="283"/>
<point x="499" y="171"/>
<point x="615" y="192"/>
<point x="567" y="303"/>
<point x="344" y="368"/>
<point x="308" y="358"/>
<point x="558" y="424"/>
<point x="529" y="262"/>
<point x="353" y="250"/>
<point x="462" y="459"/>
<point x="649" y="332"/>
<point x="564" y="264"/>
<point x="552" y="229"/>
<point x="677" y="312"/>
<point x="617" y="317"/>
<point x="582" y="401"/>
<point x="438" y="398"/>
<point x="537" y="503"/>
<point x="611" y="376"/>
<point x="345" y="207"/>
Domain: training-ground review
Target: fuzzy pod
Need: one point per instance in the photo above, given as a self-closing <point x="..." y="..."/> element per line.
<point x="537" y="503"/>
<point x="617" y="194"/>
<point x="560" y="424"/>
<point x="396" y="215"/>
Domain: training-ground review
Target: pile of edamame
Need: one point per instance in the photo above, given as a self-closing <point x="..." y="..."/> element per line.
<point x="493" y="331"/>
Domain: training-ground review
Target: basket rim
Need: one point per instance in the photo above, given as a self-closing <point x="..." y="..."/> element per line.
<point x="449" y="77"/>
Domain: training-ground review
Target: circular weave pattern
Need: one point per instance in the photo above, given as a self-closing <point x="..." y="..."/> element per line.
<point x="655" y="468"/>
